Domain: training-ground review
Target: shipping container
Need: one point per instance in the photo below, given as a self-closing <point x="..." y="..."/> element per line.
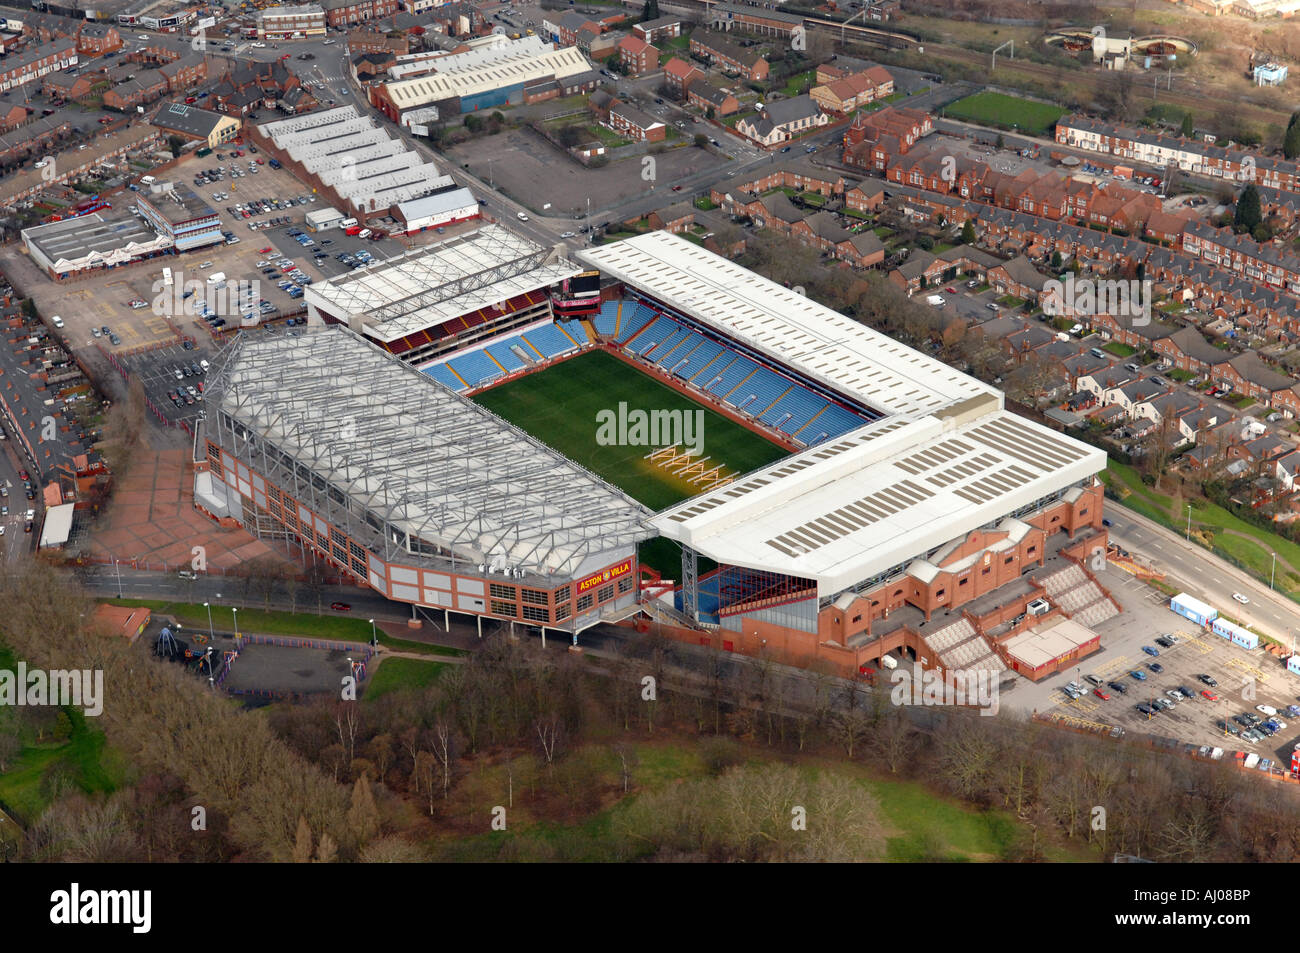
<point x="1123" y="172"/>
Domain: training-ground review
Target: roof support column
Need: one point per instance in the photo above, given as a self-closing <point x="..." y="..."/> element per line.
<point x="691" y="583"/>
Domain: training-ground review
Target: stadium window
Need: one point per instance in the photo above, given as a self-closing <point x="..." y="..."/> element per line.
<point x="605" y="593"/>
<point x="503" y="608"/>
<point x="625" y="584"/>
<point x="537" y="614"/>
<point x="498" y="591"/>
<point x="584" y="602"/>
<point x="1009" y="560"/>
<point x="561" y="612"/>
<point x="536" y="597"/>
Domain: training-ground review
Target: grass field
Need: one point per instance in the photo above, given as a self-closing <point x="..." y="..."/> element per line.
<point x="1007" y="112"/>
<point x="558" y="406"/>
<point x="306" y="624"/>
<point x="402" y="673"/>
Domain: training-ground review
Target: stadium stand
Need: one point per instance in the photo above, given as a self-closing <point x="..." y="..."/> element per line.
<point x="659" y="330"/>
<point x="606" y="320"/>
<point x="475" y="368"/>
<point x="631" y="324"/>
<point x="549" y="341"/>
<point x="443" y="375"/>
<point x="758" y="392"/>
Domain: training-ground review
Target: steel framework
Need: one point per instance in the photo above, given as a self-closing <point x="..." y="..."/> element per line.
<point x="425" y="278"/>
<point x="408" y="468"/>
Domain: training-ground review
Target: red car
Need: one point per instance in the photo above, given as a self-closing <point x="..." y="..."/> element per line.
<point x="1104" y="696"/>
<point x="22" y="475"/>
<point x="340" y="607"/>
<point x="1209" y="695"/>
<point x="677" y="188"/>
<point x="263" y="251"/>
<point x="951" y="291"/>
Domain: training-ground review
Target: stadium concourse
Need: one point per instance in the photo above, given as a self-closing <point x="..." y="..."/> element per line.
<point x="908" y="492"/>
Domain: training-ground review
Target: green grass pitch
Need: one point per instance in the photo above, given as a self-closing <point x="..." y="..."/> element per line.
<point x="558" y="406"/>
<point x="999" y="109"/>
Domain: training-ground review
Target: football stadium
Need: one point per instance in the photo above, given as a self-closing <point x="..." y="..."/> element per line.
<point x="653" y="434"/>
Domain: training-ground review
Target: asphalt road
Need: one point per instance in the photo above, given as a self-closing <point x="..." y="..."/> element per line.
<point x="1203" y="574"/>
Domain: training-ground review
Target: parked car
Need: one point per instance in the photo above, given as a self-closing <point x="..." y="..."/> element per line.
<point x="1150" y="651"/>
<point x="1209" y="695"/>
<point x="1208" y="681"/>
<point x="1138" y="674"/>
<point x="1117" y="686"/>
<point x="1155" y="667"/>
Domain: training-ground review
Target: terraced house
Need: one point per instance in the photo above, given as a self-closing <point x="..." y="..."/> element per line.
<point x="723" y="54"/>
<point x="1189" y="155"/>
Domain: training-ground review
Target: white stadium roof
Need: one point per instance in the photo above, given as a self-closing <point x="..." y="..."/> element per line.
<point x="946" y="458"/>
<point x="429" y="464"/>
<point x="425" y="287"/>
<point x="880" y="496"/>
<point x="790" y="328"/>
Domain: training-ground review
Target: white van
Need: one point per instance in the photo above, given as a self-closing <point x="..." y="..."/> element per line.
<point x="147" y="180"/>
<point x="522" y="217"/>
<point x="216" y="277"/>
<point x="56" y="321"/>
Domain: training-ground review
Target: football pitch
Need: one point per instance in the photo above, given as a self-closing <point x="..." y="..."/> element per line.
<point x="999" y="109"/>
<point x="559" y="407"/>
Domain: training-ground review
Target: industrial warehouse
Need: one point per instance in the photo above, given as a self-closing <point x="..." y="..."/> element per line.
<point x="912" y="516"/>
<point x="357" y="165"/>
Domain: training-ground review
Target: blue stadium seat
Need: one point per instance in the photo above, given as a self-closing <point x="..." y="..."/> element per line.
<point x="758" y="392"/>
<point x="695" y="360"/>
<point x="673" y="344"/>
<point x="635" y="317"/>
<point x="475" y="367"/>
<point x="442" y="373"/>
<point x="550" y="340"/>
<point x="736" y="372"/>
<point x="506" y="357"/>
<point x="605" y="322"/>
<point x="654" y="335"/>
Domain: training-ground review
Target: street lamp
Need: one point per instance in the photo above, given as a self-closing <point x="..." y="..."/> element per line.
<point x="234" y="614"/>
<point x="374" y="639"/>
<point x="209" y="608"/>
<point x="118" y="571"/>
<point x="1189" y="522"/>
<point x="1272" y="572"/>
